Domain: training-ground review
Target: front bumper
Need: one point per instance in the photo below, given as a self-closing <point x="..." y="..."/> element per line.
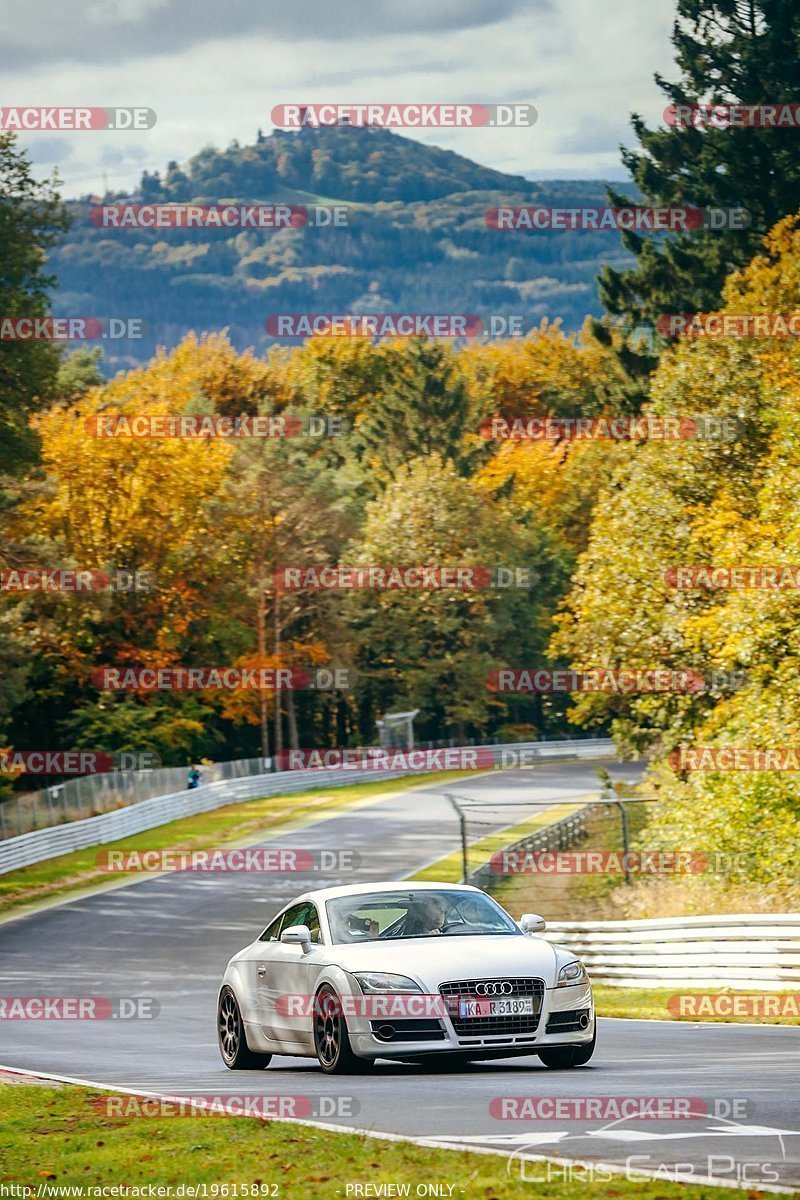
<point x="559" y="1025"/>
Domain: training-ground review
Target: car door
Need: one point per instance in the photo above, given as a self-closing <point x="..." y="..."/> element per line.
<point x="287" y="978"/>
<point x="259" y="957"/>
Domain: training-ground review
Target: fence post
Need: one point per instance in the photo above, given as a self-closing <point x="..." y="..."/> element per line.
<point x="625" y="839"/>
<point x="463" y="827"/>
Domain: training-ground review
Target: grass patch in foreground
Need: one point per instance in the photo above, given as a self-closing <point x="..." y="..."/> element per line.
<point x="651" y="1004"/>
<point x="235" y="824"/>
<point x="54" y="1136"/>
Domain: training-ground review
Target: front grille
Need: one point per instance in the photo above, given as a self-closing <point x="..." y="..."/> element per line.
<point x="568" y="1021"/>
<point x="464" y="989"/>
<point x="424" y="1029"/>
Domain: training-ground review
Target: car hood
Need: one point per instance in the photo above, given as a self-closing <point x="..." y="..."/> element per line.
<point x="434" y="960"/>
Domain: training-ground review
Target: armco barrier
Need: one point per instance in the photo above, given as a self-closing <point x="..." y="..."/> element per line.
<point x="56" y="840"/>
<point x="91" y="795"/>
<point x="561" y="835"/>
<point x="148" y="814"/>
<point x="749" y="950"/>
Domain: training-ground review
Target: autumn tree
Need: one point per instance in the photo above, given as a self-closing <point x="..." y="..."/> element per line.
<point x="434" y="649"/>
<point x="726" y="499"/>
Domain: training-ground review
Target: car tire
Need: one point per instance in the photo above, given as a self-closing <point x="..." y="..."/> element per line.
<point x="561" y="1057"/>
<point x="331" y="1039"/>
<point x="231" y="1038"/>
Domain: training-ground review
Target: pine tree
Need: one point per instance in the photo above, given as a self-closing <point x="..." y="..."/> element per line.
<point x="32" y="218"/>
<point x="423" y="409"/>
<point x="728" y="52"/>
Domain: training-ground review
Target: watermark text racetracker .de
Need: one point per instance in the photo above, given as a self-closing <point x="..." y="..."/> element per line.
<point x="74" y="579"/>
<point x="735" y="758"/>
<point x="777" y="115"/>
<point x="76" y="118"/>
<point x="219" y="216"/>
<point x="394" y="325"/>
<point x="199" y="425"/>
<point x="275" y="1106"/>
<point x="633" y="218"/>
<point x="758" y="1006"/>
<point x="740" y="577"/>
<point x="79" y="1008"/>
<point x="729" y="325"/>
<point x="515" y="861"/>
<point x="71" y="329"/>
<point x="222" y="678"/>
<point x="389" y="1007"/>
<point x="377" y="758"/>
<point x="609" y="428"/>
<point x="75" y="762"/>
<point x="617" y="1108"/>
<point x="624" y="681"/>
<point x="403" y="578"/>
<point x="275" y="860"/>
<point x="407" y="115"/>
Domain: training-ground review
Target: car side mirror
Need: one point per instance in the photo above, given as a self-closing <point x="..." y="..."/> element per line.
<point x="298" y="935"/>
<point x="532" y="923"/>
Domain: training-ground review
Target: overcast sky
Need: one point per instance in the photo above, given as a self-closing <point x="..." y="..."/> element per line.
<point x="213" y="70"/>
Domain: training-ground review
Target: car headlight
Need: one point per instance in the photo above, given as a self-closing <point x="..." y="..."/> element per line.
<point x="378" y="982"/>
<point x="572" y="974"/>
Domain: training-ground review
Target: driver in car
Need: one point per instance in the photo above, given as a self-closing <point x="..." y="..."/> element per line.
<point x="429" y="916"/>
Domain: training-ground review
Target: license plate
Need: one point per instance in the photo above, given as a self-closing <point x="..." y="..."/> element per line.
<point x="503" y="1007"/>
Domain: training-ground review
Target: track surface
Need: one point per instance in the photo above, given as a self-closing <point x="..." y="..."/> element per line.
<point x="169" y="937"/>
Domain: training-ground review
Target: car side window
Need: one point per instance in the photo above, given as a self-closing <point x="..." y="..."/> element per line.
<point x="313" y="924"/>
<point x="303" y="914"/>
<point x="271" y="933"/>
<point x="296" y="915"/>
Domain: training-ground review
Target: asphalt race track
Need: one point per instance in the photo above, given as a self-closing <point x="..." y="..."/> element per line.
<point x="169" y="937"/>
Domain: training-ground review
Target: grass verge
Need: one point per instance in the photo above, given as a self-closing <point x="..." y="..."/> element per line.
<point x="560" y="897"/>
<point x="449" y="869"/>
<point x="651" y="1004"/>
<point x="233" y="825"/>
<point x="54" y="1137"/>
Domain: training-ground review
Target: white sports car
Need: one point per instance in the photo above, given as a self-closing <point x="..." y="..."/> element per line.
<point x="403" y="971"/>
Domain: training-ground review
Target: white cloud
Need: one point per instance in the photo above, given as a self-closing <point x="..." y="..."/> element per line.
<point x="214" y="72"/>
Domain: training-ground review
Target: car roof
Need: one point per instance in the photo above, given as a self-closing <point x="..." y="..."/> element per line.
<point x="397" y="885"/>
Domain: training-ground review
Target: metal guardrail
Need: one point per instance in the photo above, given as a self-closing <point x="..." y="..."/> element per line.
<point x="561" y="835"/>
<point x="148" y="814"/>
<point x="91" y="795"/>
<point x="729" y="951"/>
<point x="41" y="844"/>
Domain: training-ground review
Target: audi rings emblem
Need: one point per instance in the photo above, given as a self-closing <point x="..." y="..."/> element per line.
<point x="494" y="988"/>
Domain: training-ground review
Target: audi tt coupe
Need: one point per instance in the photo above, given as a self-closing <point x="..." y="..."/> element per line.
<point x="403" y="971"/>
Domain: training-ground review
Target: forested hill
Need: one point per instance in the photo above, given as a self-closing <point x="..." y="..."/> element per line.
<point x="361" y="165"/>
<point x="416" y="240"/>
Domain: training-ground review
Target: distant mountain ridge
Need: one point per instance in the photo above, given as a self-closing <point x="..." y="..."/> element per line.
<point x="416" y="240"/>
<point x="363" y="165"/>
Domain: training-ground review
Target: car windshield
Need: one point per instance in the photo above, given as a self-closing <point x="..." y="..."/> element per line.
<point x="387" y="916"/>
